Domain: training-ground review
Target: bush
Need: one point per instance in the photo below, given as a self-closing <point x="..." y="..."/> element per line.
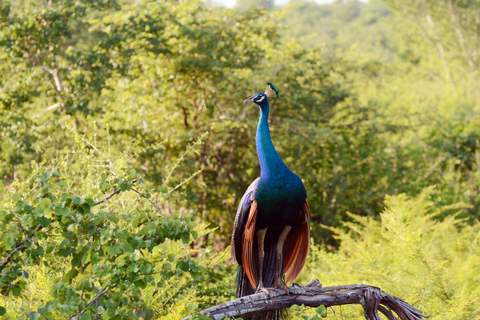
<point x="410" y="253"/>
<point x="116" y="257"/>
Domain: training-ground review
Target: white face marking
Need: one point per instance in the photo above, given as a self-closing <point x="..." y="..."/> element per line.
<point x="259" y="99"/>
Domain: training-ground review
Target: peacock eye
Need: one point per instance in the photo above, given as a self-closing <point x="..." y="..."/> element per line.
<point x="259" y="99"/>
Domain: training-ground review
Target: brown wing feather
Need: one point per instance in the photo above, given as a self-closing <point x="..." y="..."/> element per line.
<point x="296" y="245"/>
<point x="247" y="244"/>
<point x="240" y="221"/>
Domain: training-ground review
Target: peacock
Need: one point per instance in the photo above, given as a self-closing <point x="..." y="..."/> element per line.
<point x="272" y="226"/>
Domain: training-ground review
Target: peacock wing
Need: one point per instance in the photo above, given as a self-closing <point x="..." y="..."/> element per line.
<point x="296" y="245"/>
<point x="240" y="222"/>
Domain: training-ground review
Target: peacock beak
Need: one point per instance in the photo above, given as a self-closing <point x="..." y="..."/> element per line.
<point x="248" y="101"/>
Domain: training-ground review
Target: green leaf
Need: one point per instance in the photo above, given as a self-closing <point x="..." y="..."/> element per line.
<point x="16" y="290"/>
<point x="194" y="234"/>
<point x="47" y="212"/>
<point x="164" y="189"/>
<point x="86" y="208"/>
<point x="40" y="251"/>
<point x="33" y="315"/>
<point x="112" y="250"/>
<point x="16" y="197"/>
<point x="55" y="172"/>
<point x="78" y="200"/>
<point x="75" y="262"/>
<point x="182" y="265"/>
<point x="45" y="203"/>
<point x="44" y="222"/>
<point x="186" y="238"/>
<point x="45" y="175"/>
<point x="146" y="268"/>
<point x="140" y="284"/>
<point x="86" y="316"/>
<point x="133" y="267"/>
<point x="132" y="174"/>
<point x="321" y="310"/>
<point x="2" y="311"/>
<point x="10" y="242"/>
<point x="135" y="222"/>
<point x="103" y="185"/>
<point x="136" y="255"/>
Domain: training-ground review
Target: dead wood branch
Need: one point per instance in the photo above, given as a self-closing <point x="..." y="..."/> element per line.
<point x="372" y="299"/>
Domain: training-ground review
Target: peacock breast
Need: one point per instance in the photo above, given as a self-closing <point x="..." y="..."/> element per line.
<point x="279" y="201"/>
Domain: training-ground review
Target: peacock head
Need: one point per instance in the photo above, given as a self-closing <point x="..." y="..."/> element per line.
<point x="261" y="99"/>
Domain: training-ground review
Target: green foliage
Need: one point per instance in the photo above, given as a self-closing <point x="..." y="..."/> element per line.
<point x="341" y="25"/>
<point x="118" y="257"/>
<point x="305" y="313"/>
<point x="431" y="263"/>
<point x="191" y="64"/>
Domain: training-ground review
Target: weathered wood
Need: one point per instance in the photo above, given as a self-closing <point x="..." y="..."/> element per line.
<point x="372" y="299"/>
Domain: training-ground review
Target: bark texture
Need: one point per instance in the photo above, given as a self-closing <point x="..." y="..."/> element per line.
<point x="372" y="299"/>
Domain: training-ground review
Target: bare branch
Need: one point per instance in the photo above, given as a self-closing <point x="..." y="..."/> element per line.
<point x="52" y="107"/>
<point x="372" y="299"/>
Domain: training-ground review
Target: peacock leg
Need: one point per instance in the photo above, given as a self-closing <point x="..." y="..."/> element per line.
<point x="261" y="255"/>
<point x="279" y="271"/>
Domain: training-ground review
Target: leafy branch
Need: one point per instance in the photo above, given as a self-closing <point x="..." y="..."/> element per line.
<point x="94" y="300"/>
<point x="19" y="246"/>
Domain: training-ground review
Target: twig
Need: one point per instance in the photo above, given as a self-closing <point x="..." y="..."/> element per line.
<point x="372" y="299"/>
<point x="185" y="181"/>
<point x="19" y="246"/>
<point x="199" y="140"/>
<point x="53" y="106"/>
<point x="111" y="195"/>
<point x="7" y="259"/>
<point x="153" y="203"/>
<point x="108" y="197"/>
<point x="94" y="300"/>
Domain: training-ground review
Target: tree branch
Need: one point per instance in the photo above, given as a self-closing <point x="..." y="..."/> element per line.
<point x="94" y="300"/>
<point x="111" y="195"/>
<point x="9" y="257"/>
<point x="152" y="202"/>
<point x="18" y="247"/>
<point x="108" y="197"/>
<point x="372" y="299"/>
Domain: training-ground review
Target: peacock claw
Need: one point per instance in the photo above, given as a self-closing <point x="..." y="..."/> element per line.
<point x="264" y="290"/>
<point x="284" y="287"/>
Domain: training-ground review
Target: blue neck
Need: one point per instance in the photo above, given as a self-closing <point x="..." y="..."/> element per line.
<point x="271" y="164"/>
